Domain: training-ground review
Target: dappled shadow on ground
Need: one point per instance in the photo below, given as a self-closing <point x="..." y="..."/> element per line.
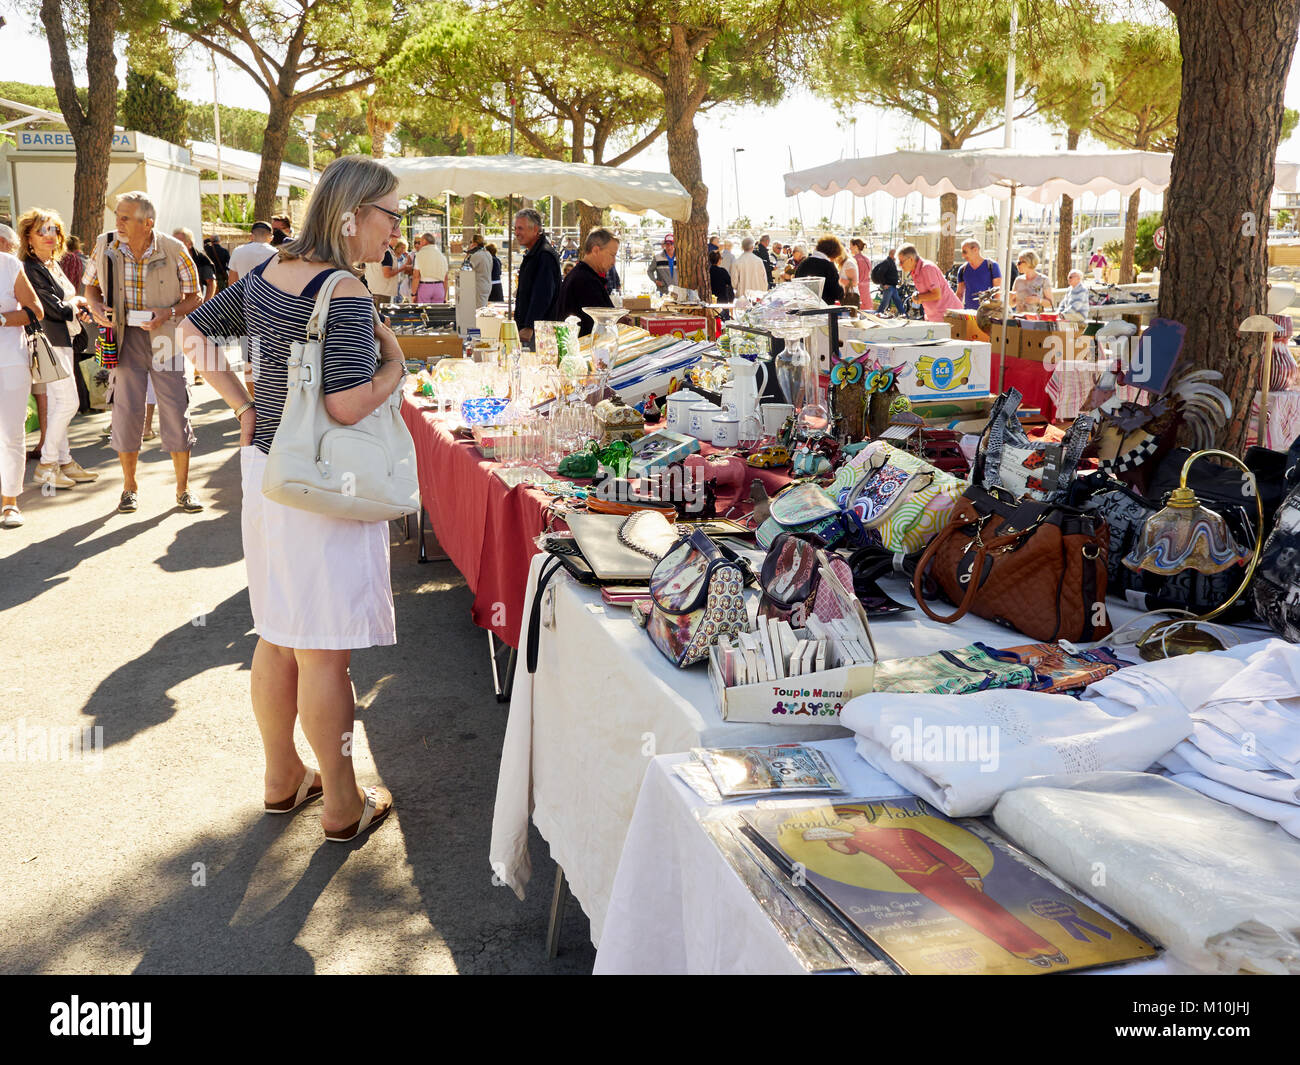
<point x="435" y="732"/>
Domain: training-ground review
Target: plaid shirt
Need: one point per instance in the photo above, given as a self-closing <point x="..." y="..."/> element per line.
<point x="134" y="273"/>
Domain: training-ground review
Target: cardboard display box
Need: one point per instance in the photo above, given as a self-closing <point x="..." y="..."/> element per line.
<point x="685" y="327"/>
<point x="1052" y="345"/>
<point x="874" y="330"/>
<point x="963" y="326"/>
<point x="636" y="303"/>
<point x="813" y="698"/>
<point x="937" y="369"/>
<point x="1013" y="339"/>
<point x="430" y="345"/>
<point x="945" y="411"/>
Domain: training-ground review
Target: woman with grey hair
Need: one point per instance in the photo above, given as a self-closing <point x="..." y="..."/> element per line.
<point x="19" y="305"/>
<point x="319" y="586"/>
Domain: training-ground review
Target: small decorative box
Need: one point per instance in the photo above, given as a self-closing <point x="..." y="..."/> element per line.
<point x="615" y="420"/>
<point x="660" y="450"/>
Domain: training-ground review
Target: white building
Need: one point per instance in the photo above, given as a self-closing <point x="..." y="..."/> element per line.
<point x="39" y="169"/>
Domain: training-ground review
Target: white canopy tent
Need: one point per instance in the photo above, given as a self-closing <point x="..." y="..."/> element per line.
<point x="497" y="176"/>
<point x="245" y="166"/>
<point x="999" y="173"/>
<point x="633" y="191"/>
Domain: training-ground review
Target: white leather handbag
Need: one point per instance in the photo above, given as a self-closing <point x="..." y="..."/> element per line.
<point x="365" y="471"/>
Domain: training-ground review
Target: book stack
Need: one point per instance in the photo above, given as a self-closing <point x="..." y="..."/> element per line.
<point x="778" y="674"/>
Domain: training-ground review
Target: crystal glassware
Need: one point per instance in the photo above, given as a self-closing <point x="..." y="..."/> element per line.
<point x="604" y="340"/>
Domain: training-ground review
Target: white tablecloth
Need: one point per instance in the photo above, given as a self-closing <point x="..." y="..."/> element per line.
<point x="678" y="907"/>
<point x="604" y="702"/>
<point x="581" y="732"/>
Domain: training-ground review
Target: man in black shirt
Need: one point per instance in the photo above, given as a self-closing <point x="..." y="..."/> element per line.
<point x="761" y="250"/>
<point x="207" y="273"/>
<point x="885" y="276"/>
<point x="586" y="284"/>
<point x="220" y="257"/>
<point x="539" y="274"/>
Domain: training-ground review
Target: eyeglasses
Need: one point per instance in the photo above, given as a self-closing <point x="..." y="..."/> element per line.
<point x="48" y="230"/>
<point x="396" y="216"/>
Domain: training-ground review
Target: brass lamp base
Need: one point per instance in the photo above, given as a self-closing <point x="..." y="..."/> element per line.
<point x="1185" y="639"/>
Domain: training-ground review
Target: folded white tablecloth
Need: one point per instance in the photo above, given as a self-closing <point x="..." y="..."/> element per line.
<point x="1218" y="887"/>
<point x="961" y="752"/>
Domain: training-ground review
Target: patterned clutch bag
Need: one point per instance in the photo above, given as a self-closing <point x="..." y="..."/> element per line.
<point x="967" y="669"/>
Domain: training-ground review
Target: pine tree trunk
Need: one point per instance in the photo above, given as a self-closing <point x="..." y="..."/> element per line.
<point x="268" y="177"/>
<point x="684" y="163"/>
<point x="92" y="130"/>
<point x="947" y="231"/>
<point x="1236" y="54"/>
<point x="469" y="221"/>
<point x="1066" y="233"/>
<point x="1127" y="274"/>
<point x="589" y="218"/>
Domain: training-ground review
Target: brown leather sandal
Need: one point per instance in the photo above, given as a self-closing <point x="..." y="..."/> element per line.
<point x="307" y="791"/>
<point x="378" y="805"/>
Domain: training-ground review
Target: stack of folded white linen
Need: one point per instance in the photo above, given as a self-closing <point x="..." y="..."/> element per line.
<point x="961" y="752"/>
<point x="1219" y="888"/>
<point x="1244" y="747"/>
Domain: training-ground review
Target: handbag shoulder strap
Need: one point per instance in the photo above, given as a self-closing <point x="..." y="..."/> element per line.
<point x="548" y="569"/>
<point x="320" y="312"/>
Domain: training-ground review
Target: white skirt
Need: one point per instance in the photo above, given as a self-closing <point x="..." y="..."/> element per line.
<point x="314" y="581"/>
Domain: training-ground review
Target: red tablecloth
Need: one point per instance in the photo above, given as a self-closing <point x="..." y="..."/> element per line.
<point x="486" y="527"/>
<point x="1030" y="379"/>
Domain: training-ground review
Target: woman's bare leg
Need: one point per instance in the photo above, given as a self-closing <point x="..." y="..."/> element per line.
<point x="327" y="706"/>
<point x="275" y="704"/>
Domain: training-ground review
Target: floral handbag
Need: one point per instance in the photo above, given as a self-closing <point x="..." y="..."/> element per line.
<point x="805" y="508"/>
<point x="791" y="580"/>
<point x="904" y="498"/>
<point x="696" y="595"/>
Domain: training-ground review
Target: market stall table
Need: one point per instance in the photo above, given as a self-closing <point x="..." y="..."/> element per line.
<point x="677" y="906"/>
<point x="604" y="702"/>
<point x="486" y="527"/>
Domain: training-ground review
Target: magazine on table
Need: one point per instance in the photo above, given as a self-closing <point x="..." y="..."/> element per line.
<point x="791" y="768"/>
<point x="934" y="896"/>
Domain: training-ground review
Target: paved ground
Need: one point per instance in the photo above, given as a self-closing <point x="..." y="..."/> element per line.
<point x="154" y="856"/>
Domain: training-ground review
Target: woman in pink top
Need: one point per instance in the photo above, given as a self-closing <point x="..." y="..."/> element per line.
<point x="932" y="289"/>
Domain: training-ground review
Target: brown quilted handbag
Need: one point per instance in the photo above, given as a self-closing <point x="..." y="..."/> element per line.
<point x="1036" y="567"/>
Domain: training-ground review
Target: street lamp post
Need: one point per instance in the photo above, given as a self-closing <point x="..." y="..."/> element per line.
<point x="735" y="169"/>
<point x="309" y="124"/>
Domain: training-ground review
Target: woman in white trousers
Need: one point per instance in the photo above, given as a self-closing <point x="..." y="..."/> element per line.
<point x="18" y="306"/>
<point x="40" y="246"/>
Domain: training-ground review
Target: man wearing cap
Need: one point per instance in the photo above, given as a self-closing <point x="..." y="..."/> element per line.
<point x="248" y="257"/>
<point x="663" y="271"/>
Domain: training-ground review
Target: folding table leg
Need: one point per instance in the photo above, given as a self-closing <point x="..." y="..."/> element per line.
<point x="438" y="554"/>
<point x="499" y="685"/>
<point x="423" y="556"/>
<point x="559" y="899"/>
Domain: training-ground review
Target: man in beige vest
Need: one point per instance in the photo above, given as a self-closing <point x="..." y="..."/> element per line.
<point x="154" y="285"/>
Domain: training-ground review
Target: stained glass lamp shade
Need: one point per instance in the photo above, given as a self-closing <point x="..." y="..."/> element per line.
<point x="1185" y="536"/>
